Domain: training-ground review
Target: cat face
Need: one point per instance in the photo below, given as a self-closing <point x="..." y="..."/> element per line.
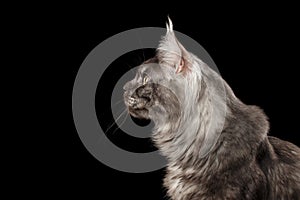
<point x="159" y="87"/>
<point x="140" y="93"/>
<point x="184" y="98"/>
<point x="150" y="92"/>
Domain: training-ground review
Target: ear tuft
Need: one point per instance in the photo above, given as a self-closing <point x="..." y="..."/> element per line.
<point x="171" y="52"/>
<point x="168" y="29"/>
<point x="170" y="25"/>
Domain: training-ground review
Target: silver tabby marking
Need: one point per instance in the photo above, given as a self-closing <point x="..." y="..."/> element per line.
<point x="217" y="147"/>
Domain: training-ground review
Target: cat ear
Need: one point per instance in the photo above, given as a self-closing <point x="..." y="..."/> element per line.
<point x="171" y="52"/>
<point x="180" y="67"/>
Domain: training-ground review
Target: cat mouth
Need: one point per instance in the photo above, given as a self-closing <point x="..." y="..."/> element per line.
<point x="138" y="113"/>
<point x="137" y="103"/>
<point x="137" y="107"/>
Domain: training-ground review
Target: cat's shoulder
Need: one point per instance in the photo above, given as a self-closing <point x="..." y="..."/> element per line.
<point x="285" y="151"/>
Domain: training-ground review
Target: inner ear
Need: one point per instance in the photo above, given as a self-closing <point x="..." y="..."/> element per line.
<point x="181" y="66"/>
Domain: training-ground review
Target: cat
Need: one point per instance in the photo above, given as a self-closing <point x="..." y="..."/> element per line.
<point x="216" y="146"/>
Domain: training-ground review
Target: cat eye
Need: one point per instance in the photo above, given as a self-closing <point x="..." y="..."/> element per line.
<point x="145" y="80"/>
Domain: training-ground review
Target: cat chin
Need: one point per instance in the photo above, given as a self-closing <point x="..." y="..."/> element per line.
<point x="139" y="113"/>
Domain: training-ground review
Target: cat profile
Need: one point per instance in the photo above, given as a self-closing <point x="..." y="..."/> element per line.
<point x="216" y="146"/>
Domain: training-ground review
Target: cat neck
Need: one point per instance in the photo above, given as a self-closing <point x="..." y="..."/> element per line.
<point x="217" y="121"/>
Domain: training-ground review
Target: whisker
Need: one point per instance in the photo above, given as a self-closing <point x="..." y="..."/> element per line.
<point x="142" y="47"/>
<point x="121" y="123"/>
<point x="124" y="111"/>
<point x="143" y="55"/>
<point x="121" y="100"/>
<point x="130" y="68"/>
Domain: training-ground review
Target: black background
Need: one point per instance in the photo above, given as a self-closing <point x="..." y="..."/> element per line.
<point x="255" y="48"/>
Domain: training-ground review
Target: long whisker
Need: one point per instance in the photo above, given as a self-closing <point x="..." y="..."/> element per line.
<point x="142" y="47"/>
<point x="124" y="111"/>
<point x="121" y="100"/>
<point x="130" y="68"/>
<point x="121" y="123"/>
<point x="143" y="55"/>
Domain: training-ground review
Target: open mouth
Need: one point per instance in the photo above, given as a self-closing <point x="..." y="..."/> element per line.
<point x="136" y="103"/>
<point x="137" y="107"/>
<point x="141" y="113"/>
<point x="140" y="121"/>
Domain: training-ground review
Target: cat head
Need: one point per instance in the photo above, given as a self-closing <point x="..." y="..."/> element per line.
<point x="159" y="87"/>
<point x="182" y="95"/>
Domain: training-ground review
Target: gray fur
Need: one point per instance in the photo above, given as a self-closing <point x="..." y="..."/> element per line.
<point x="217" y="147"/>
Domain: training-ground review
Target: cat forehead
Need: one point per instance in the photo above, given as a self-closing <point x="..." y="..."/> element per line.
<point x="149" y="68"/>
